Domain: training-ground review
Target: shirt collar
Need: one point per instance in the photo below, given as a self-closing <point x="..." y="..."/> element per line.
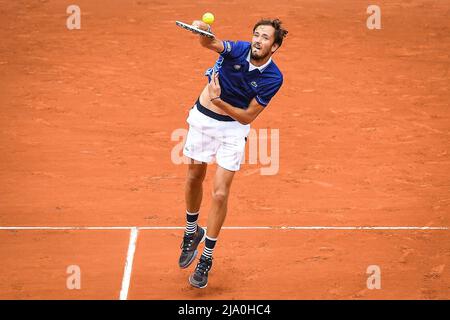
<point x="252" y="67"/>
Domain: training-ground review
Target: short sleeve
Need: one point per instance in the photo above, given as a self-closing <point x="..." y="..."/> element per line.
<point x="233" y="49"/>
<point x="267" y="92"/>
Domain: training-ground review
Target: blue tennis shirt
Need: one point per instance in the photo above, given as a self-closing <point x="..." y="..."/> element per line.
<point x="239" y="85"/>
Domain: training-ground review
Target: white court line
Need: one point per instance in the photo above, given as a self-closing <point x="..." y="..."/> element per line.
<point x="135" y="230"/>
<point x="66" y="228"/>
<point x="129" y="264"/>
<point x="233" y="228"/>
<point x="366" y="228"/>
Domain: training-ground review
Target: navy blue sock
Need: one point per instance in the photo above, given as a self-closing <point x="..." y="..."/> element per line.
<point x="191" y="222"/>
<point x="210" y="243"/>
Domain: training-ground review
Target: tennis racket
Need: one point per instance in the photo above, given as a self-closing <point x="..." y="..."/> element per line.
<point x="195" y="30"/>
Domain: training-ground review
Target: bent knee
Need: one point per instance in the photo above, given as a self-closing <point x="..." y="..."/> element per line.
<point x="220" y="195"/>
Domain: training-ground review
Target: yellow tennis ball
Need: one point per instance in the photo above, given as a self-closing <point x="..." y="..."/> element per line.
<point x="208" y="18"/>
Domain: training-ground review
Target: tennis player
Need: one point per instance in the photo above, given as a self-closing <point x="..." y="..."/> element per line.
<point x="240" y="86"/>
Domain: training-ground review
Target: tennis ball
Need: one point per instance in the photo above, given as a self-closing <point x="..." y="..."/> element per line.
<point x="208" y="18"/>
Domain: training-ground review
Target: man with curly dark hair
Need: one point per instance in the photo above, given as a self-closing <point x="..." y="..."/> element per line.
<point x="240" y="85"/>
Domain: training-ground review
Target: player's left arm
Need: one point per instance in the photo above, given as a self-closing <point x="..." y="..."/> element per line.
<point x="243" y="116"/>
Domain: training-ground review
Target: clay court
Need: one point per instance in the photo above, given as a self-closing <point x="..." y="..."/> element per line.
<point x="87" y="177"/>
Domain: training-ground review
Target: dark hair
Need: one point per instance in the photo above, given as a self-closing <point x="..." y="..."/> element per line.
<point x="280" y="33"/>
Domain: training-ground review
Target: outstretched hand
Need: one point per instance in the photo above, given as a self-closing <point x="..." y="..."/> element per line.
<point x="214" y="87"/>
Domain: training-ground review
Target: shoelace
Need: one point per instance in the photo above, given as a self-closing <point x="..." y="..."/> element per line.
<point x="203" y="266"/>
<point x="187" y="242"/>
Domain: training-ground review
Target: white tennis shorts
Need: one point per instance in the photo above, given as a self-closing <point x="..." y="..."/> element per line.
<point x="209" y="139"/>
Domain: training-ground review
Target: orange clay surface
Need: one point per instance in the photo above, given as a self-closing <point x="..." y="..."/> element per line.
<point x="86" y="119"/>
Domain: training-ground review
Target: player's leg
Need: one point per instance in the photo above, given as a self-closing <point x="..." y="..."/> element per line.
<point x="229" y="157"/>
<point x="194" y="185"/>
<point x="202" y="148"/>
<point x="221" y="190"/>
<point x="193" y="234"/>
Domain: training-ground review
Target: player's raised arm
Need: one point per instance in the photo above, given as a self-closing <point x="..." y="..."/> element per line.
<point x="212" y="44"/>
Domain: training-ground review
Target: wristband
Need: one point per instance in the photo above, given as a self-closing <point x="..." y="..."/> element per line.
<point x="218" y="97"/>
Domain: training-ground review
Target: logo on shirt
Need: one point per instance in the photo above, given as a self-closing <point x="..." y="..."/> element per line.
<point x="254" y="84"/>
<point x="237" y="67"/>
